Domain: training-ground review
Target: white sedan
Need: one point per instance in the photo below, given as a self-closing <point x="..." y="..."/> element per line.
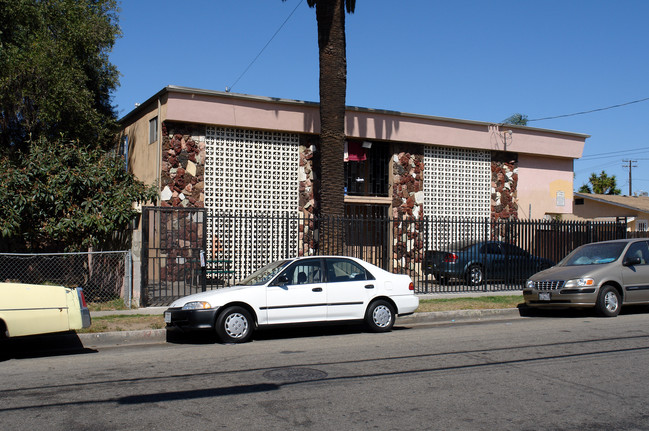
<point x="298" y="291"/>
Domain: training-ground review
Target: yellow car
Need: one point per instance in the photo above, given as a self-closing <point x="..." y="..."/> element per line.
<point x="29" y="309"/>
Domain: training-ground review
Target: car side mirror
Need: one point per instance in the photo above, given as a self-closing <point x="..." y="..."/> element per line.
<point x="631" y="261"/>
<point x="282" y="280"/>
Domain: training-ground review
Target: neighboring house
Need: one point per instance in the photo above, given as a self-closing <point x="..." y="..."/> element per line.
<point x="635" y="209"/>
<point x="246" y="154"/>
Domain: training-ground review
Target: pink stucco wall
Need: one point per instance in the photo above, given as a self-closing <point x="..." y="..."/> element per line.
<point x="545" y="157"/>
<point x="541" y="180"/>
<point x="302" y="117"/>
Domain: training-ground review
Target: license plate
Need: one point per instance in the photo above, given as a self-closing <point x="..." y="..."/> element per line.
<point x="167" y="317"/>
<point x="544" y="296"/>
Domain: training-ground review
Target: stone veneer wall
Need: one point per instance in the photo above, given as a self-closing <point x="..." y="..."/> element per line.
<point x="181" y="185"/>
<point x="183" y="165"/>
<point x="308" y="192"/>
<point x="407" y="182"/>
<point x="504" y="183"/>
<point x="407" y="206"/>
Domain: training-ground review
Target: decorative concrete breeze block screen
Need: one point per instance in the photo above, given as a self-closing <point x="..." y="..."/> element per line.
<point x="457" y="185"/>
<point x="251" y="184"/>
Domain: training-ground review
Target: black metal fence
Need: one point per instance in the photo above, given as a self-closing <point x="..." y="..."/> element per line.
<point x="189" y="250"/>
<point x="104" y="276"/>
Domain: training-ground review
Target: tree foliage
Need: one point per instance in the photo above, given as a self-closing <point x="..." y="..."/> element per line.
<point x="516" y="120"/>
<point x="61" y="195"/>
<point x="601" y="184"/>
<point x="55" y="75"/>
<point x="60" y="188"/>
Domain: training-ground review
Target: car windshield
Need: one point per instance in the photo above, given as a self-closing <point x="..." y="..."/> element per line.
<point x="263" y="275"/>
<point x="594" y="254"/>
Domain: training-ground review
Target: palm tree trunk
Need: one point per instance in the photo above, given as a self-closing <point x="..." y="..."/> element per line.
<point x="330" y="15"/>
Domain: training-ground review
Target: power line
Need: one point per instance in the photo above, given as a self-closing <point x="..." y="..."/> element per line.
<point x="612" y="154"/>
<point x="228" y="89"/>
<point x="591" y="111"/>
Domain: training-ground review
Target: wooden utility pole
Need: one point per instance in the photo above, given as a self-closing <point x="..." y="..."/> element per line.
<point x="630" y="165"/>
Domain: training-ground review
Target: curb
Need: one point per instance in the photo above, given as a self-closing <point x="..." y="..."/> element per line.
<point x="71" y="342"/>
<point x="439" y="317"/>
<point x="158" y="336"/>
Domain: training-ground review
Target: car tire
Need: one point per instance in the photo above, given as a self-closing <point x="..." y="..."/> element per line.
<point x="379" y="316"/>
<point x="234" y="325"/>
<point x="608" y="302"/>
<point x="475" y="275"/>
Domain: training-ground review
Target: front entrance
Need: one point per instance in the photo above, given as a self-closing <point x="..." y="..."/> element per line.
<point x="368" y="233"/>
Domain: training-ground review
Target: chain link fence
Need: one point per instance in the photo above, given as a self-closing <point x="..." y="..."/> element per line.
<point x="104" y="276"/>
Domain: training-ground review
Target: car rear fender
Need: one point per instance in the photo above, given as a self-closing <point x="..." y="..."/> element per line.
<point x="242" y="305"/>
<point x="384" y="298"/>
<point x="471" y="263"/>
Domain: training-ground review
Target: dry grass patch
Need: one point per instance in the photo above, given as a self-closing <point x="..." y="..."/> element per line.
<point x="133" y="322"/>
<point x="478" y="303"/>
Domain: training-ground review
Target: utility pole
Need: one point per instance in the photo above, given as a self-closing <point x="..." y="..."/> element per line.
<point x="630" y="165"/>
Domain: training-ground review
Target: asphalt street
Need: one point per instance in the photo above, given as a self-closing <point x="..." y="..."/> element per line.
<point x="570" y="371"/>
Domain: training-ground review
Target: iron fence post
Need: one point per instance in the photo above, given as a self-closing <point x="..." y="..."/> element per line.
<point x="129" y="278"/>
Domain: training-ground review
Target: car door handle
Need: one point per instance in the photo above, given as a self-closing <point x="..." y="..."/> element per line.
<point x="317" y="289"/>
<point x="369" y="286"/>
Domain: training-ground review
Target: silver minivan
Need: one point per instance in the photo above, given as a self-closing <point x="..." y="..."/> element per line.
<point x="604" y="275"/>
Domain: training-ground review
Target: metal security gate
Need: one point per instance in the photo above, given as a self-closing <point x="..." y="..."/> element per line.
<point x="367" y="233"/>
<point x="173" y="245"/>
<point x="185" y="251"/>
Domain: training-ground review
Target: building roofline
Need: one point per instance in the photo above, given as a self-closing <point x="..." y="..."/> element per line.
<point x="293" y="102"/>
<point x="597" y="198"/>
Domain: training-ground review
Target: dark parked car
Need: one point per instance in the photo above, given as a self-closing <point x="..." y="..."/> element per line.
<point x="476" y="262"/>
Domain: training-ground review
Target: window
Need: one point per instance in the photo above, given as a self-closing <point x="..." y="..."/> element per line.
<point x="123" y="151"/>
<point x="512" y="250"/>
<point x="491" y="248"/>
<point x="346" y="270"/>
<point x="638" y="250"/>
<point x="153" y="130"/>
<point x="641" y="225"/>
<point x="304" y="272"/>
<point x="366" y="169"/>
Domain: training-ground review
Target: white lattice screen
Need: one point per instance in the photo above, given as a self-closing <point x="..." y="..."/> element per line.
<point x="251" y="177"/>
<point x="457" y="184"/>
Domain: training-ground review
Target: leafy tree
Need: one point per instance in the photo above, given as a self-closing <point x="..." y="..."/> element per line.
<point x="55" y="75"/>
<point x="60" y="189"/>
<point x="516" y="119"/>
<point x="61" y="195"/>
<point x="601" y="184"/>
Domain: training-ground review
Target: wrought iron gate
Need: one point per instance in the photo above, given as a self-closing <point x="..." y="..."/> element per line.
<point x="173" y="244"/>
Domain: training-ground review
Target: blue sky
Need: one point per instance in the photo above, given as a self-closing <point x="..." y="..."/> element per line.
<point x="470" y="59"/>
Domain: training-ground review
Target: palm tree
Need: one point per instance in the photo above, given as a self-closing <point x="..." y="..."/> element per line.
<point x="332" y="46"/>
<point x="330" y="16"/>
